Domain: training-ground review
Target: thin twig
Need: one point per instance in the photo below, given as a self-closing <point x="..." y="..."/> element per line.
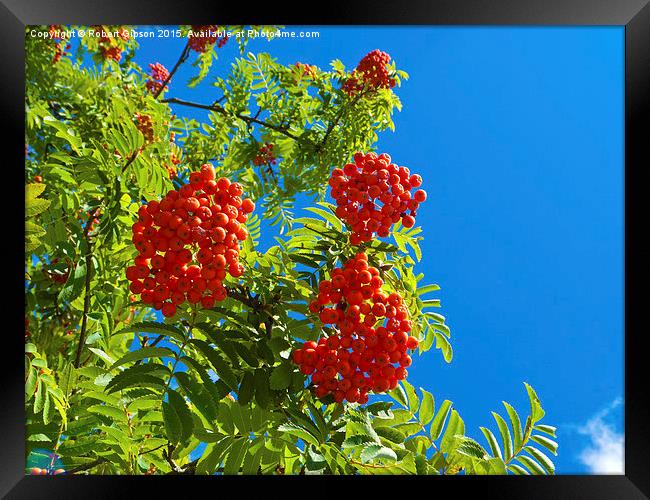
<point x="338" y="116"/>
<point x="245" y="298"/>
<point x="151" y="450"/>
<point x="84" y="319"/>
<point x="181" y="59"/>
<point x="87" y="466"/>
<point x="131" y="159"/>
<point x="248" y="119"/>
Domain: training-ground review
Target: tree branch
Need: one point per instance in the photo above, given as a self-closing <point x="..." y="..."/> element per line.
<point x="89" y="264"/>
<point x="189" y="468"/>
<point x="181" y="60"/>
<point x="248" y="119"/>
<point x="131" y="159"/>
<point x="87" y="466"/>
<point x="245" y="298"/>
<point x="338" y="116"/>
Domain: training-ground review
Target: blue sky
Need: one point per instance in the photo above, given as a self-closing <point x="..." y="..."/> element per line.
<point x="518" y="134"/>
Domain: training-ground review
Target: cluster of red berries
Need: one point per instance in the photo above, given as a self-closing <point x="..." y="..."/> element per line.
<point x="111" y="52"/>
<point x="265" y="155"/>
<point x="158" y="75"/>
<point x="60" y="49"/>
<point x="372" y="71"/>
<point x="151" y="470"/>
<point x="54" y="31"/>
<point x="37" y="471"/>
<point x="188" y="242"/>
<point x="203" y="37"/>
<point x="60" y="46"/>
<point x="38" y="179"/>
<point x="360" y="356"/>
<point x="108" y="48"/>
<point x="307" y="70"/>
<point x="57" y="276"/>
<point x="145" y="125"/>
<point x="95" y="220"/>
<point x="358" y="188"/>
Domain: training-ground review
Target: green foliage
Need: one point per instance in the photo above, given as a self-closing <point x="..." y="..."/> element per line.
<point x="219" y="378"/>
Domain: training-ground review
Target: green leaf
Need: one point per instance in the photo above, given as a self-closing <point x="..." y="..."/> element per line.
<point x="173" y="424"/>
<point x="246" y="389"/>
<point x="377" y="451"/>
<point x="427" y="289"/>
<point x="541" y="458"/>
<point x="179" y="406"/>
<point x="455" y="427"/>
<point x="143" y="353"/>
<point x="391" y="433"/>
<point x="235" y="457"/>
<point x="39" y="398"/>
<point x="68" y="379"/>
<point x="516" y="425"/>
<point x="220" y="366"/>
<point x="536" y="411"/>
<point x="439" y="420"/>
<point x="108" y="411"/>
<point x="296" y="430"/>
<point x="427" y="408"/>
<point x="547" y="443"/>
<point x="323" y="428"/>
<point x="492" y="441"/>
<point x="75" y="284"/>
<point x="138" y="375"/>
<point x="517" y="470"/>
<point x="154" y="327"/>
<point x="443" y="344"/>
<point x="467" y="446"/>
<point x="252" y="460"/>
<point x="34" y="230"/>
<point x="547" y="429"/>
<point x="505" y="436"/>
<point x="399" y="395"/>
<point x="532" y="466"/>
<point x="33" y="190"/>
<point x="357" y="440"/>
<point x="414" y="402"/>
<point x="199" y="396"/>
<point x="213" y="455"/>
<point x="262" y="391"/>
<point x="36" y="206"/>
<point x="281" y="377"/>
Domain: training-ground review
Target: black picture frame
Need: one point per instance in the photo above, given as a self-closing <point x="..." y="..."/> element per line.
<point x="633" y="14"/>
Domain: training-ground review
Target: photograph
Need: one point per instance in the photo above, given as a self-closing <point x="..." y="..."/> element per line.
<point x="335" y="249"/>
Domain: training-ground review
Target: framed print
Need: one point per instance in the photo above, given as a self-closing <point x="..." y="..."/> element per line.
<point x="381" y="246"/>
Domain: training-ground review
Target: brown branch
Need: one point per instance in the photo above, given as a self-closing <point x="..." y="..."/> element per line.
<point x="87" y="466"/>
<point x="189" y="468"/>
<point x="131" y="159"/>
<point x="338" y="116"/>
<point x="84" y="318"/>
<point x="248" y="119"/>
<point x="151" y="450"/>
<point x="244" y="297"/>
<point x="181" y="60"/>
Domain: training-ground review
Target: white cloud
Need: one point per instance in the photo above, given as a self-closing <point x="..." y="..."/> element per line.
<point x="606" y="453"/>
